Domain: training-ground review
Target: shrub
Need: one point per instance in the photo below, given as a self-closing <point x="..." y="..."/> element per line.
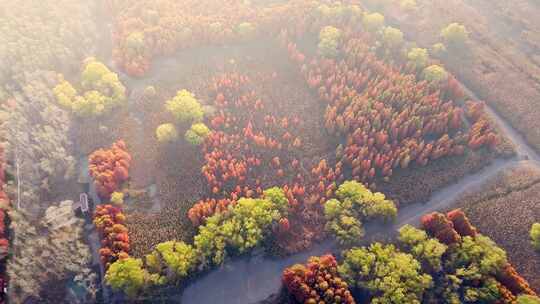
<point x="329" y="37"/>
<point x="455" y="35"/>
<point x="197" y="134"/>
<point x="166" y="133"/>
<point x="390" y="276"/>
<point x="435" y="74"/>
<point x="373" y="22"/>
<point x="535" y="236"/>
<point x="185" y="107"/>
<point x="418" y="57"/>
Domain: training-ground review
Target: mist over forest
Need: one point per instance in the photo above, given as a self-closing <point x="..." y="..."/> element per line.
<point x="270" y="151"/>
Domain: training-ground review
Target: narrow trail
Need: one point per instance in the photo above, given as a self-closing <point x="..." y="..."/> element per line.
<point x="253" y="278"/>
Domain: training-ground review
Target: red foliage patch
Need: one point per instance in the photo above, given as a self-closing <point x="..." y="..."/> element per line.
<point x="438" y="226"/>
<point x="109" y="168"/>
<point x="109" y="221"/>
<point x="317" y="282"/>
<point x="461" y="223"/>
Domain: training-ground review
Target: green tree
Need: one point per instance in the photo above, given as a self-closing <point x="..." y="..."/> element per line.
<point x="455" y="35"/>
<point x="355" y="204"/>
<point x="438" y="50"/>
<point x="480" y="254"/>
<point x="425" y="249"/>
<point x="129" y="276"/>
<point x="535" y="236"/>
<point x="197" y="134"/>
<point x="135" y="43"/>
<point x="388" y="275"/>
<point x="185" y="107"/>
<point x="101" y="91"/>
<point x="528" y="299"/>
<point x="329" y="38"/>
<point x="166" y="133"/>
<point x="418" y="57"/>
<point x="435" y="74"/>
<point x="241" y="229"/>
<point x="173" y="260"/>
<point x="65" y="94"/>
<point x="392" y="37"/>
<point x="373" y="22"/>
<point x="345" y="227"/>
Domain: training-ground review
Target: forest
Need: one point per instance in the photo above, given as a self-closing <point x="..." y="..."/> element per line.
<point x="269" y="151"/>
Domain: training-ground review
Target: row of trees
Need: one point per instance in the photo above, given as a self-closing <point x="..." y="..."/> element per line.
<point x="424" y="266"/>
<point x="242" y="229"/>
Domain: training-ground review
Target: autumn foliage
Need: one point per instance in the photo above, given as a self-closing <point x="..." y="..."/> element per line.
<point x="317" y="282"/>
<point x="387" y="118"/>
<point x="146" y="29"/>
<point x="109" y="221"/>
<point x="440" y="227"/>
<point x="450" y="228"/>
<point x="109" y="168"/>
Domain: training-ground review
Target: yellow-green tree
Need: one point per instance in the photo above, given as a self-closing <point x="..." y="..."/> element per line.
<point x="329" y="38"/>
<point x="455" y="35"/>
<point x="418" y="57"/>
<point x="129" y="276"/>
<point x="385" y="273"/>
<point x="197" y="134"/>
<point x="535" y="236"/>
<point x="435" y="74"/>
<point x="100" y="91"/>
<point x="185" y="107"/>
<point x="166" y="133"/>
<point x="172" y="260"/>
<point x="354" y="204"/>
<point x="373" y="22"/>
<point x="392" y="37"/>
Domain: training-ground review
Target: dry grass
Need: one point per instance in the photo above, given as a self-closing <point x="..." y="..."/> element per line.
<point x="504" y="209"/>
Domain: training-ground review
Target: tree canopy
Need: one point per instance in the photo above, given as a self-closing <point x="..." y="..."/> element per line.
<point x="386" y="273"/>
